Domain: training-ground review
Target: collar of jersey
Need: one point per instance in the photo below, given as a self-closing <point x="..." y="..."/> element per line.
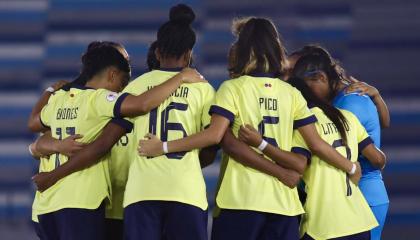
<point x="267" y="75"/>
<point x="175" y="69"/>
<point x="81" y="87"/>
<point x="311" y="105"/>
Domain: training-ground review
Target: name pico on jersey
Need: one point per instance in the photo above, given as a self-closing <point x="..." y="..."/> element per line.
<point x="268" y="103"/>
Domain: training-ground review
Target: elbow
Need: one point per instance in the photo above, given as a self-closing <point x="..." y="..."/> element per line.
<point x="301" y="167"/>
<point x="293" y="180"/>
<point x="386" y="125"/>
<point x="32" y="126"/>
<point x="380" y="161"/>
<point x="215" y="136"/>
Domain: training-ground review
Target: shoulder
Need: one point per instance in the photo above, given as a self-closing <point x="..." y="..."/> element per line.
<point x="347" y="114"/>
<point x="351" y="118"/>
<point x="102" y="95"/>
<point x="229" y="85"/>
<point x="57" y="95"/>
<point x="206" y="88"/>
<point x="137" y="82"/>
<point x="353" y="99"/>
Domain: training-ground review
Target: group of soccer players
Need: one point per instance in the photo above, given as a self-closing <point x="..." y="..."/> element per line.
<point x="122" y="160"/>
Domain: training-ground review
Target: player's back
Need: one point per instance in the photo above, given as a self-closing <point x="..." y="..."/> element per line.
<point x="84" y="111"/>
<point x="275" y="108"/>
<point x="174" y="176"/>
<point x="335" y="207"/>
<point x="267" y="103"/>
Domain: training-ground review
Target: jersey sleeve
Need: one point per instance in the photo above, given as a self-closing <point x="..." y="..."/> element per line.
<point x="208" y="100"/>
<point x="108" y="104"/>
<point x="302" y="115"/>
<point x="46" y="113"/>
<point x="363" y="138"/>
<point x="125" y="123"/>
<point x="224" y="103"/>
<point x="299" y="145"/>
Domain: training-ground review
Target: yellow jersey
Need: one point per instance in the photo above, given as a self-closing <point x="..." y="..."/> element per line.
<point x="79" y="110"/>
<point x="43" y="166"/>
<point x="174" y="176"/>
<point x="275" y="108"/>
<point x="119" y="161"/>
<point x="334" y="206"/>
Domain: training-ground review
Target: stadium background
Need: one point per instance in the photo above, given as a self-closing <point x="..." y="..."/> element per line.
<point x="377" y="41"/>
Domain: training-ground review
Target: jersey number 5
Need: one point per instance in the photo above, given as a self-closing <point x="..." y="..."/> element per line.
<point x="167" y="126"/>
<point x="261" y="129"/>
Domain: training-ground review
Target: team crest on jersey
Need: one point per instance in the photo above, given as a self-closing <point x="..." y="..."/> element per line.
<point x="111" y="96"/>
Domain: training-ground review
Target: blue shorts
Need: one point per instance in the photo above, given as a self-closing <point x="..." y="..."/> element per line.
<point x="157" y="220"/>
<point x="251" y="225"/>
<point x="38" y="230"/>
<point x="358" y="236"/>
<point x="114" y="229"/>
<point x="73" y="223"/>
<point x="380" y="212"/>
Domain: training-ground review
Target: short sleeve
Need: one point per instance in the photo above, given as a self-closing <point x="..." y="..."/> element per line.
<point x="299" y="145"/>
<point x="208" y="100"/>
<point x="224" y="103"/>
<point x="363" y="138"/>
<point x="124" y="123"/>
<point x="302" y="115"/>
<point x="107" y="103"/>
<point x="45" y="115"/>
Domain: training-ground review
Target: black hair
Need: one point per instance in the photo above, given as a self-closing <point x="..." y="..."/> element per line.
<point x="308" y="49"/>
<point x="152" y="61"/>
<point x="318" y="49"/>
<point x="258" y="49"/>
<point x="98" y="56"/>
<point x="176" y="36"/>
<point x="308" y="66"/>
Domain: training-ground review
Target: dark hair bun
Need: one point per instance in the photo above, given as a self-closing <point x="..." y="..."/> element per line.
<point x="181" y="13"/>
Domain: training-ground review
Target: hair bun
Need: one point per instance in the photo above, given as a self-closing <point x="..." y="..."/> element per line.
<point x="181" y="13"/>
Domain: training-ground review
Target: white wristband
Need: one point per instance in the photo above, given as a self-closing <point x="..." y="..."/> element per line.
<point x="50" y="89"/>
<point x="353" y="169"/>
<point x="263" y="145"/>
<point x="165" y="147"/>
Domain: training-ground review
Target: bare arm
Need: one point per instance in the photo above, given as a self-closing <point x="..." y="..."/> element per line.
<point x="34" y="122"/>
<point x="375" y="156"/>
<point x="88" y="156"/>
<point x="383" y="111"/>
<point x="133" y="106"/>
<point x="321" y="148"/>
<point x="207" y="155"/>
<point x="289" y="160"/>
<point x="208" y="137"/>
<point x="47" y="145"/>
<point x="245" y="155"/>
